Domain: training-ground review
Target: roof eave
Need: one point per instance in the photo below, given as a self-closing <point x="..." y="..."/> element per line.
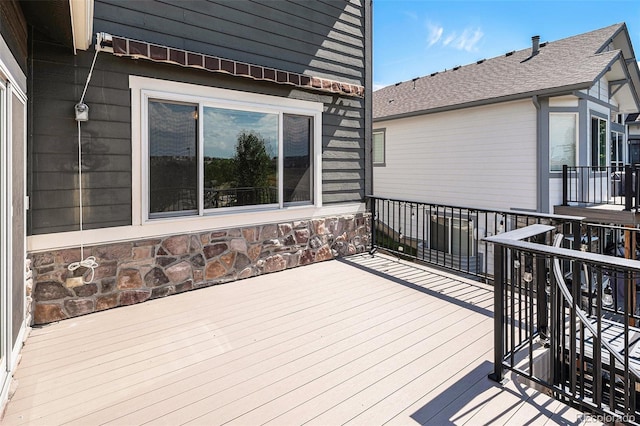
<point x="556" y="91"/>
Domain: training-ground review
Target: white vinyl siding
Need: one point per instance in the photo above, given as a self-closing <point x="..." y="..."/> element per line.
<point x="481" y="157"/>
<point x="600" y="90"/>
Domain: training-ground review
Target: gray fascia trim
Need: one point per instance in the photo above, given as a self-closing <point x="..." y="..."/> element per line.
<point x="606" y="69"/>
<point x="625" y="69"/>
<point x="617" y="127"/>
<point x="622" y="27"/>
<point x="590" y="98"/>
<point x="583" y="130"/>
<point x="566" y="90"/>
<point x="594" y="113"/>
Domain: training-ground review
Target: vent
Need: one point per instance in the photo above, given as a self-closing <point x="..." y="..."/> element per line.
<point x="456" y="68"/>
<point x="535" y="45"/>
<point x="510" y="53"/>
<point x="480" y="61"/>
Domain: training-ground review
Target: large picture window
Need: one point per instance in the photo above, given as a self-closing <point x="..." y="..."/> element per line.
<point x="562" y="140"/>
<point x="240" y="158"/>
<point x="207" y="155"/>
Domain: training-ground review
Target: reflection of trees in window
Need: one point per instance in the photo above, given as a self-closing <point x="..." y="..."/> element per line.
<point x="254" y="170"/>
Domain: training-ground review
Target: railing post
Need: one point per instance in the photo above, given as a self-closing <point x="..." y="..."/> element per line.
<point x="542" y="299"/>
<point x="628" y="187"/>
<point x="374" y="225"/>
<point x="565" y="185"/>
<point x="499" y="258"/>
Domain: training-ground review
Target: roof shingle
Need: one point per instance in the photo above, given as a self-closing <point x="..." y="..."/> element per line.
<point x="571" y="63"/>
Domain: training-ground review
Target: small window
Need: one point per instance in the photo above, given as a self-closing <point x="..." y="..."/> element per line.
<point x="451" y="235"/>
<point x="378" y="147"/>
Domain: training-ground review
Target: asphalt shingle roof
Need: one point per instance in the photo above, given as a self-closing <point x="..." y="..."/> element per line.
<point x="568" y="63"/>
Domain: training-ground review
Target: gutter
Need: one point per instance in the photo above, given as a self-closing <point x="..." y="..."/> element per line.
<point x="566" y="90"/>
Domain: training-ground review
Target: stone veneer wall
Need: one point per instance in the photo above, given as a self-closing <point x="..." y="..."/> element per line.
<point x="135" y="271"/>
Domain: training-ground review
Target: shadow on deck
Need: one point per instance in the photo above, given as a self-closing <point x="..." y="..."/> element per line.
<point x="339" y="342"/>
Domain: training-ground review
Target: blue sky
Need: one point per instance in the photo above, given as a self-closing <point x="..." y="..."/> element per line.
<point x="412" y="38"/>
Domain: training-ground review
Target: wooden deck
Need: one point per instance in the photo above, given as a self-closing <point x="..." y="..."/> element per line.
<point x="364" y="341"/>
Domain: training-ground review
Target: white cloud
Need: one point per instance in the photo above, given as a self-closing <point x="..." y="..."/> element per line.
<point x="411" y="15"/>
<point x="465" y="41"/>
<point x="449" y="39"/>
<point x="468" y="40"/>
<point x="435" y="34"/>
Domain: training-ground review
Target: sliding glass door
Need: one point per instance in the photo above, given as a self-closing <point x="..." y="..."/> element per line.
<point x="5" y="306"/>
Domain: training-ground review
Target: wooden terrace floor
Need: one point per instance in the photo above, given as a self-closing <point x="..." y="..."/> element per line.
<point x="366" y="340"/>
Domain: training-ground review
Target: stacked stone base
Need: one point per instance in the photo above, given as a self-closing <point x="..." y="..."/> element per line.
<point x="135" y="271"/>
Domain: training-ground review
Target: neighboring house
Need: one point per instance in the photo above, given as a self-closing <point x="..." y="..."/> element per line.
<point x="496" y="133"/>
<point x="218" y="140"/>
<point x="633" y="129"/>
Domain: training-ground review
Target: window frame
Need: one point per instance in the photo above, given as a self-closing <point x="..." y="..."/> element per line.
<point x="595" y="163"/>
<point x="383" y="132"/>
<point x="448" y="223"/>
<point x="144" y="89"/>
<point x="617" y="148"/>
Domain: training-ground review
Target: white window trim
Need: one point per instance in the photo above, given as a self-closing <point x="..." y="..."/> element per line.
<point x="607" y="141"/>
<point x="384" y="148"/>
<point x="143" y="89"/>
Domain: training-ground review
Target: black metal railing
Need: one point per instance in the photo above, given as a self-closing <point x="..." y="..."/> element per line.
<point x="241" y="196"/>
<point x="589" y="185"/>
<point x="451" y="237"/>
<point x="557" y="324"/>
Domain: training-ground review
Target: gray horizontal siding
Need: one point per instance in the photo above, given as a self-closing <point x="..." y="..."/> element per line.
<point x="323" y="39"/>
<point x="332" y="47"/>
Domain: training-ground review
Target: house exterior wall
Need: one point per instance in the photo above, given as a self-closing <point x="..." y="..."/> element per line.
<point x="320" y="39"/>
<point x="483" y="157"/>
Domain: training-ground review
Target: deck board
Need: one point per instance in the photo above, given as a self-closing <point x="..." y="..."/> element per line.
<point x="365" y="340"/>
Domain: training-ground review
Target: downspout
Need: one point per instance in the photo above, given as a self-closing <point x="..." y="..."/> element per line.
<point x="539" y="166"/>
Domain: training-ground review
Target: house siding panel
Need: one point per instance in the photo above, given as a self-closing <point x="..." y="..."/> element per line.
<point x="481" y="161"/>
<point x="302" y="37"/>
<point x="312" y="38"/>
<point x="13" y="28"/>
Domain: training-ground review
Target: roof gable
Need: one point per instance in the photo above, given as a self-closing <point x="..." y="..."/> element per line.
<point x="573" y="63"/>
